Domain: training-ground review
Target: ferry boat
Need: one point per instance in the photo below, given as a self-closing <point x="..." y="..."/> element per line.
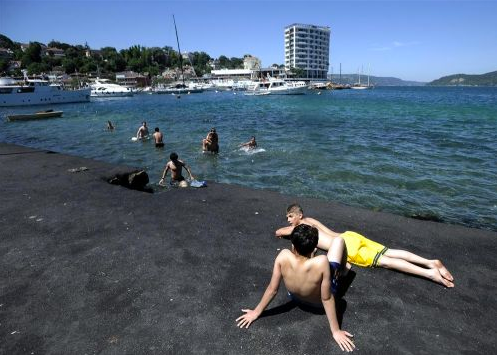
<point x="38" y="92"/>
<point x="277" y="87"/>
<point x="104" y="88"/>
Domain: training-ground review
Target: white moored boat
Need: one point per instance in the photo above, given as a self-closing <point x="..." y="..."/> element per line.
<point x="104" y="88"/>
<point x="277" y="87"/>
<point x="38" y="92"/>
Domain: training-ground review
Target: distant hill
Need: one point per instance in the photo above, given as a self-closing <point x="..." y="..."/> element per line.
<point x="373" y="80"/>
<point x="488" y="79"/>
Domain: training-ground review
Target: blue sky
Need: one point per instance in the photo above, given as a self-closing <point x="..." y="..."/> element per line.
<point x="411" y="40"/>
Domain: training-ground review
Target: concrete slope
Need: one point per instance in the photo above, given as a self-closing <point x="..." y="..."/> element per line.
<point x="92" y="268"/>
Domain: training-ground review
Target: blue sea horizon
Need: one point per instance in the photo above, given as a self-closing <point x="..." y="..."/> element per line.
<point x="427" y="152"/>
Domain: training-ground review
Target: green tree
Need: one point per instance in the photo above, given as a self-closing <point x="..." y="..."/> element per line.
<point x="108" y="52"/>
<point x="224" y="62"/>
<point x="69" y="65"/>
<point x="4" y="65"/>
<point x="38" y="68"/>
<point x="60" y="45"/>
<point x="89" y="66"/>
<point x="32" y="54"/>
<point x="6" y="42"/>
<point x="236" y="63"/>
<point x="159" y="56"/>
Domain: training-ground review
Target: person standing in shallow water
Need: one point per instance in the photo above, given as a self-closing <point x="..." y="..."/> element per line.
<point x="142" y="131"/>
<point x="211" y="142"/>
<point x="176" y="167"/>
<point x="158" y="138"/>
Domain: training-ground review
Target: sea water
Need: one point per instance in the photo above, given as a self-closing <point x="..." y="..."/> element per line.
<point x="429" y="152"/>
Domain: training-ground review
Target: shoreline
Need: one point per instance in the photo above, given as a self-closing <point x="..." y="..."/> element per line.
<point x="87" y="266"/>
<point x="421" y="216"/>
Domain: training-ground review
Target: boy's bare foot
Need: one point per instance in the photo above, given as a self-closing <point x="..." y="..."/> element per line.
<point x="436" y="276"/>
<point x="443" y="270"/>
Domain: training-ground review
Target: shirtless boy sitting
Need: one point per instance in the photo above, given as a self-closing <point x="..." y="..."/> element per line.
<point x="176" y="166"/>
<point x="367" y="253"/>
<point x="307" y="279"/>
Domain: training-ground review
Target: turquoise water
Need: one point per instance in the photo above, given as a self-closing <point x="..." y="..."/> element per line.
<point x="408" y="150"/>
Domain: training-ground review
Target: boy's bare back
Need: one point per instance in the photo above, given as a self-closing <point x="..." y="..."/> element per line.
<point x="302" y="276"/>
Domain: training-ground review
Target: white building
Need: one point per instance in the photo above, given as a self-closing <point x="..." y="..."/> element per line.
<point x="251" y="63"/>
<point x="307" y="47"/>
<point x="233" y="74"/>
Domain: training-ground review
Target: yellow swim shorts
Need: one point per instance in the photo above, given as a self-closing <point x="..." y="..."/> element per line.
<point x="362" y="251"/>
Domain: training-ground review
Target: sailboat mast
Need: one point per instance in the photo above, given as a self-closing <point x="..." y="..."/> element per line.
<point x="369" y="72"/>
<point x="179" y="51"/>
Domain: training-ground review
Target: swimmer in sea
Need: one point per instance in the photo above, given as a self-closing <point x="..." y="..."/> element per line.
<point x="176" y="166"/>
<point x="251" y="144"/>
<point x="142" y="131"/>
<point x="211" y="142"/>
<point x="158" y="138"/>
<point x="110" y="127"/>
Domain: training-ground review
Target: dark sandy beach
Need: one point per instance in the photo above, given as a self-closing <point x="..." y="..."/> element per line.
<point x="92" y="268"/>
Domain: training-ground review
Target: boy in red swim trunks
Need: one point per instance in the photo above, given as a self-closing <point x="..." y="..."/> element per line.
<point x="367" y="253"/>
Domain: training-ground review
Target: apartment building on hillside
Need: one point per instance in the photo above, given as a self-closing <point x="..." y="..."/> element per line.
<point x="307" y="47"/>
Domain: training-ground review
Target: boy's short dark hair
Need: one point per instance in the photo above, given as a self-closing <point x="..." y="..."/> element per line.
<point x="304" y="238"/>
<point x="157" y="129"/>
<point x="294" y="208"/>
<point x="173" y="156"/>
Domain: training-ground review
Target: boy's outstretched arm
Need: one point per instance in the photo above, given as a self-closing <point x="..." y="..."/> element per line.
<point x="271" y="291"/>
<point x="342" y="337"/>
<point x="284" y="232"/>
<point x="321" y="227"/>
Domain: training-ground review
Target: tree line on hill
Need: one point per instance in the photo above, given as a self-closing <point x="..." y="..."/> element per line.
<point x="38" y="58"/>
<point x="487" y="79"/>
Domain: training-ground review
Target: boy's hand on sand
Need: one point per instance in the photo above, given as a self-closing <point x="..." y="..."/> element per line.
<point x="342" y="338"/>
<point x="247" y="319"/>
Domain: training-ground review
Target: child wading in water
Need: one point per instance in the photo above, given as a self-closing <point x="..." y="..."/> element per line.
<point x="367" y="253"/>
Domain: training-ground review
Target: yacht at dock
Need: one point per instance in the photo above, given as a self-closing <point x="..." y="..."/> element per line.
<point x="104" y="88"/>
<point x="38" y="92"/>
<point x="274" y="86"/>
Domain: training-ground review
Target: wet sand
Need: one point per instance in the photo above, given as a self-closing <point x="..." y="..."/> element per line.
<point x="92" y="268"/>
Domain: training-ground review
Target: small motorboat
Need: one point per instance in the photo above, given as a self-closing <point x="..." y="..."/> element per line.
<point x="35" y="116"/>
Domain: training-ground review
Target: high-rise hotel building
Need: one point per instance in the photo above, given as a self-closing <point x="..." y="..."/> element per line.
<point x="308" y="47"/>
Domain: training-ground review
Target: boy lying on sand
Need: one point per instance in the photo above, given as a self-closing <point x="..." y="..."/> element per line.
<point x="367" y="253"/>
